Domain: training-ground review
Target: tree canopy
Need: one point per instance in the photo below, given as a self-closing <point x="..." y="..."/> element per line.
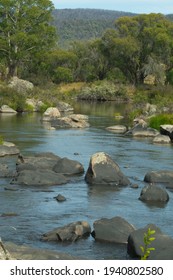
<point x="25" y="29"/>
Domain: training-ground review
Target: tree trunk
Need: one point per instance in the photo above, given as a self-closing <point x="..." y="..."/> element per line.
<point x="12" y="70"/>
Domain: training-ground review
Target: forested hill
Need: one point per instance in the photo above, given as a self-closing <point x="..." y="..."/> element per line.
<point x="83" y="24"/>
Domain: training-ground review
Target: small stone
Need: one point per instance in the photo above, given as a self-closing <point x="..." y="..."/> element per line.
<point x="60" y="198"/>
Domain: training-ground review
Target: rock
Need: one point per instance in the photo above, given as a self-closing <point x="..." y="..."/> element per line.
<point x="38" y="161"/>
<point x="68" y="233"/>
<point x="103" y="170"/>
<point x="162" y="139"/>
<point x="115" y="230"/>
<point x="140" y="123"/>
<point x="68" y="167"/>
<point x="163" y="244"/>
<point x="161" y="176"/>
<point x="3" y="215"/>
<point x="151" y="109"/>
<point x="117" y="128"/>
<point x="4" y="170"/>
<point x="60" y="198"/>
<point x="39" y="178"/>
<point x="64" y="107"/>
<point x="21" y="86"/>
<point x="144" y="132"/>
<point x="150" y="80"/>
<point x="167" y="129"/>
<point x="5" y="150"/>
<point x="4" y="254"/>
<point x="22" y="252"/>
<point x="34" y="104"/>
<point x="153" y="193"/>
<point x="71" y="121"/>
<point x="6" y="109"/>
<point x="52" y="113"/>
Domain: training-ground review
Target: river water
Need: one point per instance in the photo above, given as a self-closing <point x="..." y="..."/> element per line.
<point x="37" y="210"/>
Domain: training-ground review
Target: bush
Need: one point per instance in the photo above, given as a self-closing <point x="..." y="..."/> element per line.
<point x="1" y="140"/>
<point x="62" y="75"/>
<point x="161" y="119"/>
<point x="103" y="91"/>
<point x="10" y="97"/>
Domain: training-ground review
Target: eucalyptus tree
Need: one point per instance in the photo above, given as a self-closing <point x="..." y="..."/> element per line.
<point x="139" y="46"/>
<point x="25" y="29"/>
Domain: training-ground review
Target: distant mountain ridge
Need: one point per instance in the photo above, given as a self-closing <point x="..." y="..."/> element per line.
<point x="85" y="24"/>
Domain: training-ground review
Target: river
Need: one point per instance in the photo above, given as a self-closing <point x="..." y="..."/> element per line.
<point x="37" y="210"/>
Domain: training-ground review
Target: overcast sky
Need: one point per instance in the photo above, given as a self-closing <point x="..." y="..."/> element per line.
<point x="136" y="6"/>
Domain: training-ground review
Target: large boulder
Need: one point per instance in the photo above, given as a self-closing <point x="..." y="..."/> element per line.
<point x="39" y="178"/>
<point x="114" y="230"/>
<point x="161" y="176"/>
<point x="167" y="129"/>
<point x="163" y="244"/>
<point x="68" y="233"/>
<point x="71" y="121"/>
<point x="38" y="161"/>
<point x="103" y="170"/>
<point x="68" y="167"/>
<point x="153" y="193"/>
<point x="45" y="169"/>
<point x="7" y="110"/>
<point x="21" y="86"/>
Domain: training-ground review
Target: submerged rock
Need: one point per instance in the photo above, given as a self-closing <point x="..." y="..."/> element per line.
<point x="68" y="233"/>
<point x="117" y="128"/>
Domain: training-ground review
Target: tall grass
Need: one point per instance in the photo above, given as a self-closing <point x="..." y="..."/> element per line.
<point x="160" y="119"/>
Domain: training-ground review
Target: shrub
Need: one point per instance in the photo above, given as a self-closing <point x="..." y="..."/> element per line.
<point x="161" y="119"/>
<point x="103" y="91"/>
<point x="1" y="140"/>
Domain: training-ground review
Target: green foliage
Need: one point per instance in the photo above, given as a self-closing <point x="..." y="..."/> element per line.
<point x="25" y="30"/>
<point x="161" y="119"/>
<point x="148" y="238"/>
<point x="104" y="90"/>
<point x="170" y="77"/>
<point x="1" y="140"/>
<point x="83" y="24"/>
<point x="10" y="97"/>
<point x="62" y="75"/>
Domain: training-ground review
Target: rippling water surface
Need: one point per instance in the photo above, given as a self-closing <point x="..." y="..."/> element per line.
<point x="37" y="210"/>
